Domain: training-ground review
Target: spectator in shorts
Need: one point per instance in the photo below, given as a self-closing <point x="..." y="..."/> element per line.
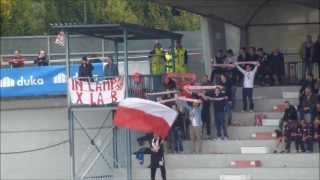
<point x="280" y="142"/>
<point x="42" y="59"/>
<point x="277" y="65"/>
<point x="85" y="70"/>
<point x="248" y="85"/>
<point x="307" y="105"/>
<point x="316" y="53"/>
<point x="17" y="60"/>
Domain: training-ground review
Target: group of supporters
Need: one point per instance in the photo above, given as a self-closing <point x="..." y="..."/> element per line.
<point x="168" y="60"/>
<point x="18" y="60"/>
<point x="301" y="124"/>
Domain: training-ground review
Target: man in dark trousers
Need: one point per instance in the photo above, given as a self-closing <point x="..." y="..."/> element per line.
<point x="157" y="157"/>
<point x="293" y="132"/>
<point x="308" y="134"/>
<point x="316" y="53"/>
<point x="205" y="113"/>
<point x="248" y="84"/>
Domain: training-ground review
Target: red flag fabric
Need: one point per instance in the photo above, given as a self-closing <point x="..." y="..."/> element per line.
<point x="144" y="116"/>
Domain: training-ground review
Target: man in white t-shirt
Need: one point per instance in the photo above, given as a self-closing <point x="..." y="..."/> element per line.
<point x="248" y="83"/>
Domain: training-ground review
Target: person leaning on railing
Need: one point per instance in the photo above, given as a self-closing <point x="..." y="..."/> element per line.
<point x="41" y="59"/>
<point x="110" y="69"/>
<point x="85" y="70"/>
<point x="17" y="60"/>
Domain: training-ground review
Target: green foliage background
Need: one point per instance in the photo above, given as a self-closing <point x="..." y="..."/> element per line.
<point x="32" y="17"/>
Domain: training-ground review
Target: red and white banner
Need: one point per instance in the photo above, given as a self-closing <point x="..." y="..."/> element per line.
<point x="96" y="93"/>
<point x="145" y="116"/>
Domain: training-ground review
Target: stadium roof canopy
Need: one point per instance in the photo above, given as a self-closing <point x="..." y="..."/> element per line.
<point x="115" y="32"/>
<point x="235" y="12"/>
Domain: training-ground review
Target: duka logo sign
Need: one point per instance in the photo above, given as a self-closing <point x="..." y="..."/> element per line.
<point x="7" y="82"/>
<point x="96" y="93"/>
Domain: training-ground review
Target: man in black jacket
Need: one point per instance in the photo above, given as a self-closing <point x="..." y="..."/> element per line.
<point x="316" y="53"/>
<point x="290" y="113"/>
<point x="85" y="70"/>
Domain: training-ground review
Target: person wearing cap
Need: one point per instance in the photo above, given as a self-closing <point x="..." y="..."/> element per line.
<point x="157" y="59"/>
<point x="85" y="70"/>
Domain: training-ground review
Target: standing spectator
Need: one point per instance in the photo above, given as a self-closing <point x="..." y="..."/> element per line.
<point x="216" y="70"/>
<point x="306" y="55"/>
<point x="42" y="59"/>
<point x="85" y="70"/>
<point x="290" y="113"/>
<point x="17" y="60"/>
<point x="248" y="85"/>
<point x="181" y="59"/>
<point x="307" y="135"/>
<point x="307" y="105"/>
<point x="177" y="128"/>
<point x="309" y="81"/>
<point x="243" y="55"/>
<point x="231" y="59"/>
<point x="277" y="65"/>
<point x="205" y="113"/>
<point x="219" y="102"/>
<point x="317" y="131"/>
<point x="264" y="72"/>
<point x="293" y="132"/>
<point x="157" y="157"/>
<point x="196" y="123"/>
<point x="110" y="69"/>
<point x="252" y="55"/>
<point x="227" y="85"/>
<point x="316" y="53"/>
<point x="157" y="59"/>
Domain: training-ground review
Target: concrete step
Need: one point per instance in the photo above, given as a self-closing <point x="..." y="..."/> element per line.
<point x="248" y="118"/>
<point x="174" y="161"/>
<point x="245" y="132"/>
<point x="265" y="104"/>
<point x="234" y="146"/>
<point x="273" y="92"/>
<point x="214" y="174"/>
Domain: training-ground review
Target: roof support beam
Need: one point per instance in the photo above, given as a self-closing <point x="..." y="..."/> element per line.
<point x="256" y="11"/>
<point x="308" y="5"/>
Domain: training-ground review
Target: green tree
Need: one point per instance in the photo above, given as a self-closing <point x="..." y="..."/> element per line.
<point x="32" y="17"/>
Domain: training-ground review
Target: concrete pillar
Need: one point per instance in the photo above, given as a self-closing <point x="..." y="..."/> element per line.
<point x="233" y="37"/>
<point x="213" y="38"/>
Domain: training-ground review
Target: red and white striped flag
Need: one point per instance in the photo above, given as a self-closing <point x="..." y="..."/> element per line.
<point x="145" y="116"/>
<point x="60" y="39"/>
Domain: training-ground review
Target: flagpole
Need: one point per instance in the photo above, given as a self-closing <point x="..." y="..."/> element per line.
<point x="126" y="75"/>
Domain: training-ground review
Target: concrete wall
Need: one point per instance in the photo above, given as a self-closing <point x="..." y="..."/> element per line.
<point x="286" y="37"/>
